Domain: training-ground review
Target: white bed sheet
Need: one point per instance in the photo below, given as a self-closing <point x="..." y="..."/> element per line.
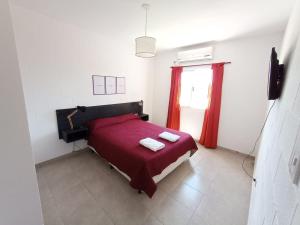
<point x="163" y="174"/>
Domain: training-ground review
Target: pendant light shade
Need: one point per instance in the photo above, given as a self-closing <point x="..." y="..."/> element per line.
<point x="145" y="46"/>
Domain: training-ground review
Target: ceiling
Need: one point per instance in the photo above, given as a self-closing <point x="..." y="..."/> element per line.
<point x="174" y="23"/>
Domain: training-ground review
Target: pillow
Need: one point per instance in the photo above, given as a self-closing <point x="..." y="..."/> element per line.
<point x="104" y="122"/>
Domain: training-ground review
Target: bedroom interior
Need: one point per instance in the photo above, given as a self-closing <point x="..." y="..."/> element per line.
<point x="150" y="113"/>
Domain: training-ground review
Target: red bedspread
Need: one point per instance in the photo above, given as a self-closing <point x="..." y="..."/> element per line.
<point x="119" y="144"/>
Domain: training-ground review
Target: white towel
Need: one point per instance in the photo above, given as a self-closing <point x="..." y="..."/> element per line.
<point x="152" y="144"/>
<point x="169" y="136"/>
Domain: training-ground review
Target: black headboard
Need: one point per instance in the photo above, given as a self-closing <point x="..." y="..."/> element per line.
<point x="94" y="112"/>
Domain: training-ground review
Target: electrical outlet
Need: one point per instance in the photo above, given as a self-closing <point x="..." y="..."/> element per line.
<point x="294" y="163"/>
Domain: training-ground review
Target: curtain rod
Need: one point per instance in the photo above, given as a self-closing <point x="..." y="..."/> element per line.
<point x="204" y="64"/>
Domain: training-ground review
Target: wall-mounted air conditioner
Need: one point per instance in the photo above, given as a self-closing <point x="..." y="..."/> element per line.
<point x="195" y="54"/>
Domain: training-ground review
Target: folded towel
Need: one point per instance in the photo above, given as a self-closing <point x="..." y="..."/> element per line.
<point x="169" y="136"/>
<point x="152" y="144"/>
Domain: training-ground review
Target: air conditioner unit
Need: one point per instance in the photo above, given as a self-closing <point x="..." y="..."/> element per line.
<point x="195" y="54"/>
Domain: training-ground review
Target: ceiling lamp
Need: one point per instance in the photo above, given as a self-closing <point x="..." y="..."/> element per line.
<point x="145" y="46"/>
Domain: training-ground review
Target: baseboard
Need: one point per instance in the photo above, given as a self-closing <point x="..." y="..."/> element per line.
<point x="243" y="154"/>
<point x="71" y="154"/>
<point x="68" y="155"/>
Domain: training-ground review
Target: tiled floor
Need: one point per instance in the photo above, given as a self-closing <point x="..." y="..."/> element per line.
<point x="209" y="189"/>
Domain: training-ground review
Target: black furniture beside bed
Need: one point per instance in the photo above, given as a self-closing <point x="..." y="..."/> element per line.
<point x="144" y="117"/>
<point x="80" y="120"/>
<point x="75" y="135"/>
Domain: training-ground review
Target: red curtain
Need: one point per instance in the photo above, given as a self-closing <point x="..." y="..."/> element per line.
<point x="173" y="120"/>
<point x="209" y="134"/>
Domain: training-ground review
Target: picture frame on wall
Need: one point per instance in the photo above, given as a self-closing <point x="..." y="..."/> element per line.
<point x="98" y="85"/>
<point x="110" y="85"/>
<point x="121" y="86"/>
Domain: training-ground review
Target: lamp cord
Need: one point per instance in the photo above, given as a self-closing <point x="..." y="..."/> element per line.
<point x="254" y="147"/>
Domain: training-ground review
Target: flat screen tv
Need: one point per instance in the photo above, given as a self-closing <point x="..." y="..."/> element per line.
<point x="276" y="75"/>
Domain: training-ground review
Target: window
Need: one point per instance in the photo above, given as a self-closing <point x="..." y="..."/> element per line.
<point x="195" y="85"/>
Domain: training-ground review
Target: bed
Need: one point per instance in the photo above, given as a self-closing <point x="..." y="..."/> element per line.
<point x="116" y="139"/>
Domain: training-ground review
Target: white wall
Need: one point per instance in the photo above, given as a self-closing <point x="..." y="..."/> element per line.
<point x="57" y="61"/>
<point x="244" y="88"/>
<point x="275" y="200"/>
<point x="19" y="196"/>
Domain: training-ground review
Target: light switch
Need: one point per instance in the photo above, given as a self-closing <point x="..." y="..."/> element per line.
<point x="294" y="163"/>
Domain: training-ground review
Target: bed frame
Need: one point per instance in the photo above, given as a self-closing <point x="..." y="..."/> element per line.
<point x="93" y="112"/>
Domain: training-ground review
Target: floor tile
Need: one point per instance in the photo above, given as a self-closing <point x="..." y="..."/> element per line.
<point x="127" y="212"/>
<point x="149" y="203"/>
<point x="209" y="189"/>
<point x="97" y="185"/>
<point x="198" y="182"/>
<point x="74" y="198"/>
<point x="172" y="180"/>
<point x="64" y="183"/>
<point x="187" y="196"/>
<point x="207" y="169"/>
<point x="196" y="220"/>
<point x="151" y="220"/>
<point x="171" y="212"/>
<point x="215" y="210"/>
<point x="50" y="213"/>
<point x="88" y="213"/>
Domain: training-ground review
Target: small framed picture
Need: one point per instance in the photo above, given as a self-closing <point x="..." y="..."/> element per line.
<point x="121" y="85"/>
<point x="98" y="85"/>
<point x="110" y="85"/>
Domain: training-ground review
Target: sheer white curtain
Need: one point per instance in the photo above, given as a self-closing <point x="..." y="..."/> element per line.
<point x="195" y="84"/>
